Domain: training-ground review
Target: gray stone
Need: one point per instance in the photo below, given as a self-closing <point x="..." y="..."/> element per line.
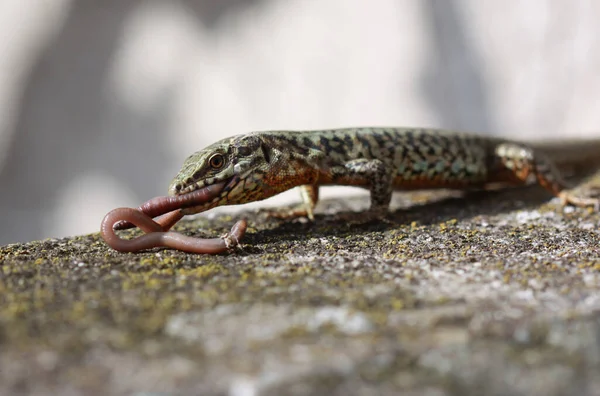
<point x="493" y="294"/>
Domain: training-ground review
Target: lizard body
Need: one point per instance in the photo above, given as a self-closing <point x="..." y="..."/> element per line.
<point x="258" y="165"/>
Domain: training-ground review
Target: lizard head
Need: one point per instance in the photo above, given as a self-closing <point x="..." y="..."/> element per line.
<point x="228" y="162"/>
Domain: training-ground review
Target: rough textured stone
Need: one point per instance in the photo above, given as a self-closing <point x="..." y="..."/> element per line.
<point x="493" y="293"/>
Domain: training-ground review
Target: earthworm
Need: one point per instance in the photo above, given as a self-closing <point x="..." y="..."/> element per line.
<point x="168" y="207"/>
<point x="156" y="237"/>
<point x="168" y="210"/>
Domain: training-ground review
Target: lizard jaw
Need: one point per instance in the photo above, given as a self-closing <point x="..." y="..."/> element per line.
<point x="176" y="188"/>
<point x="220" y="198"/>
<point x="164" y="206"/>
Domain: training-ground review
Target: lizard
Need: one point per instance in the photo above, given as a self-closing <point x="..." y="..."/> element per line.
<point x="259" y="165"/>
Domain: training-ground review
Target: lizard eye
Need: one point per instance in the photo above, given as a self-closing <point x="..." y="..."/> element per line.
<point x="216" y="161"/>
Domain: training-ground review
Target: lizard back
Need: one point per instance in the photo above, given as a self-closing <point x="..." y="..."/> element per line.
<point x="421" y="158"/>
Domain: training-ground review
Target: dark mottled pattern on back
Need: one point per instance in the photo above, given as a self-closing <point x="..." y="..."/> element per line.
<point x="416" y="155"/>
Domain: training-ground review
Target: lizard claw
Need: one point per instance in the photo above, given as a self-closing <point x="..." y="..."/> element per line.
<point x="567" y="198"/>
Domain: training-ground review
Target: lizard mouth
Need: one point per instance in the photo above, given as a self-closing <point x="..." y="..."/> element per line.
<point x="194" y="201"/>
<point x="218" y="191"/>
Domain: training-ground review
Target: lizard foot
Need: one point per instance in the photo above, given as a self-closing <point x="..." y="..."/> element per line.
<point x="567" y="198"/>
<point x="291" y="213"/>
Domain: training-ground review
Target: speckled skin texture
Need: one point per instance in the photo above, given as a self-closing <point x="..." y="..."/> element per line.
<point x="259" y="165"/>
<point x="456" y="295"/>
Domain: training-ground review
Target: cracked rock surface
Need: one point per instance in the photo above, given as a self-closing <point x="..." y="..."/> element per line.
<point x="492" y="293"/>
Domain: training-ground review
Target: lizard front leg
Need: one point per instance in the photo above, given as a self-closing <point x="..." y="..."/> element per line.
<point x="374" y="175"/>
<point x="310" y="196"/>
<point x="311" y="162"/>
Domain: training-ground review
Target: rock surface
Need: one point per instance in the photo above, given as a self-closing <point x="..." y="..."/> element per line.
<point x="493" y="293"/>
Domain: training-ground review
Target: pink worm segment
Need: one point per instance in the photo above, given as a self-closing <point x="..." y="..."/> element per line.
<point x="165" y="206"/>
<point x="156" y="237"/>
<point x="168" y="208"/>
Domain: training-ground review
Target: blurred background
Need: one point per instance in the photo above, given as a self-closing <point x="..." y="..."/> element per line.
<point x="101" y="101"/>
